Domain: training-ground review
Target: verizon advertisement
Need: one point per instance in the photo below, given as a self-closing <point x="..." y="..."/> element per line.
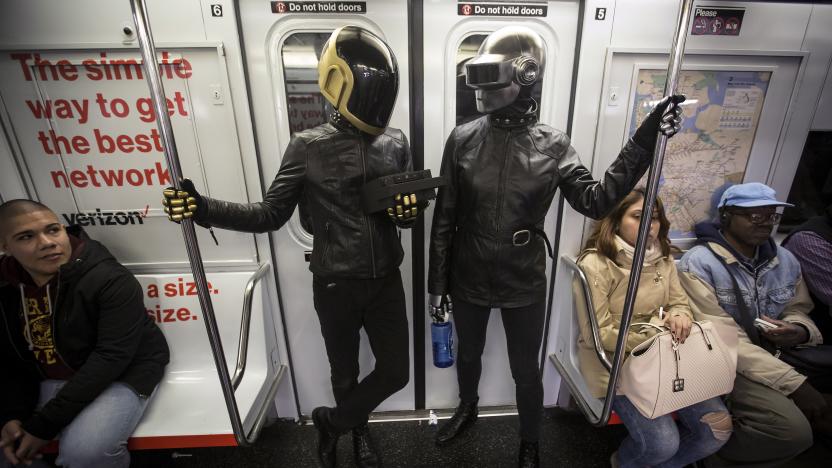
<point x="91" y="127"/>
<point x="82" y="122"/>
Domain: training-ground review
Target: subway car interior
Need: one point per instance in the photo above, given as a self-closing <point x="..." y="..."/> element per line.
<point x="96" y="131"/>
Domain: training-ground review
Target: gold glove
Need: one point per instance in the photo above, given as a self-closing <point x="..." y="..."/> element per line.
<point x="404" y="207"/>
<point x="180" y="204"/>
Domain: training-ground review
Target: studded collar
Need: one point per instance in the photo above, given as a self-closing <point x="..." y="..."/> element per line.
<point x="515" y="119"/>
<point x="341" y="123"/>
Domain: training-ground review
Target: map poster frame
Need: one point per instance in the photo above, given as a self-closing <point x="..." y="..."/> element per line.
<point x="714" y="148"/>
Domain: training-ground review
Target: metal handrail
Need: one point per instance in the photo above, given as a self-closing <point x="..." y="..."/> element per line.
<point x="674" y="65"/>
<point x="245" y="326"/>
<point x="590" y="311"/>
<point x="260" y="420"/>
<point x="157" y="96"/>
<point x="591" y="415"/>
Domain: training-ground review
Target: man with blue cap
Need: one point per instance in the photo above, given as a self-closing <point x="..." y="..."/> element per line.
<point x="737" y="276"/>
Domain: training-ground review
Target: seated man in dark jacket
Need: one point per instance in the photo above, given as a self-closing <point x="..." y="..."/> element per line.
<point x="80" y="355"/>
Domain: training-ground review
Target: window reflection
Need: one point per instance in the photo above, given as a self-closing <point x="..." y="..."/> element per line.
<point x="305" y="105"/>
<point x="466" y="103"/>
<point x="811" y="191"/>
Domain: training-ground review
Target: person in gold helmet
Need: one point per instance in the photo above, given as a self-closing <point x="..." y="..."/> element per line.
<point x="355" y="256"/>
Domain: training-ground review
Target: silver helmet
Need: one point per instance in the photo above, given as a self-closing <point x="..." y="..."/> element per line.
<point x="509" y="59"/>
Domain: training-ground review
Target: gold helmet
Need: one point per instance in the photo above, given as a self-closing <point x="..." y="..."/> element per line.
<point x="359" y="76"/>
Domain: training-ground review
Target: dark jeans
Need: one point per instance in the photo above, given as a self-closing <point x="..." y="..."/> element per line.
<point x="378" y="305"/>
<point x="524" y="332"/>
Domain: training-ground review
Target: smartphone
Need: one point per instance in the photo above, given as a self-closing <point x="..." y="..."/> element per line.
<point x="760" y="323"/>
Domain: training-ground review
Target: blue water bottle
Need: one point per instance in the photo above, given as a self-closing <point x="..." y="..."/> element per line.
<point x="441" y="331"/>
<point x="442" y="335"/>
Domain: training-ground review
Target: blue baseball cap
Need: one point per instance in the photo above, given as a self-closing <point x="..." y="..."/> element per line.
<point x="750" y="195"/>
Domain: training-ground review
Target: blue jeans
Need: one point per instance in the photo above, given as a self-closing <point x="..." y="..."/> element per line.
<point x="97" y="437"/>
<point x="661" y="442"/>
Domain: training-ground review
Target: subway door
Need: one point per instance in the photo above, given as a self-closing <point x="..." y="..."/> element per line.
<point x="283" y="41"/>
<point x="453" y="32"/>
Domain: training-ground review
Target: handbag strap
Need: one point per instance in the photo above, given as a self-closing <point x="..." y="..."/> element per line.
<point x="746" y="321"/>
<point x="704" y="335"/>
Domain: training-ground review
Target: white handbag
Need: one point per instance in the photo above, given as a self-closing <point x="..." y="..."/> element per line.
<point x="662" y="375"/>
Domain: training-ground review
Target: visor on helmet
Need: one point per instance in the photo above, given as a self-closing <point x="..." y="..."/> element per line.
<point x="373" y="95"/>
<point x="489" y="75"/>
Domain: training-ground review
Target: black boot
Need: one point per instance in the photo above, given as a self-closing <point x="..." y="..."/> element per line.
<point x="529" y="455"/>
<point x="327" y="436"/>
<point x="464" y="417"/>
<point x="364" y="448"/>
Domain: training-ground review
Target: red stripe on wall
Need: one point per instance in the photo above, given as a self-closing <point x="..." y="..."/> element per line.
<point x="169" y="442"/>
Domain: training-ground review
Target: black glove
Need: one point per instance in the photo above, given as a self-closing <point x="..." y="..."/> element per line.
<point x="809" y="401"/>
<point x="405" y="209"/>
<point x="181" y="204"/>
<point x="439" y="306"/>
<point x="666" y="117"/>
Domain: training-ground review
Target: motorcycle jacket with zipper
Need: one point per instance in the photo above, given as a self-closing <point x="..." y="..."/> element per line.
<point x="328" y="165"/>
<point x="502" y="174"/>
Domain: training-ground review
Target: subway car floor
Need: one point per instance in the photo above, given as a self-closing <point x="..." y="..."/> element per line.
<point x="567" y="440"/>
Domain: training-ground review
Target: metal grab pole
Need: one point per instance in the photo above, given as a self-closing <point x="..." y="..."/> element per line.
<point x="675" y="64"/>
<point x="157" y="95"/>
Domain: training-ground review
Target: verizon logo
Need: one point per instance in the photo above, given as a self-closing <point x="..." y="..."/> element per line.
<point x="106" y="218"/>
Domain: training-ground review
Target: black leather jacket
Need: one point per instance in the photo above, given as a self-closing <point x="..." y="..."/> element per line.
<point x="328" y="165"/>
<point x="501" y="179"/>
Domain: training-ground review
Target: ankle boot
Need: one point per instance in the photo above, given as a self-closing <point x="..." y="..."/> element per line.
<point x="529" y="455"/>
<point x="463" y="418"/>
<point x="327" y="436"/>
<point x="366" y="455"/>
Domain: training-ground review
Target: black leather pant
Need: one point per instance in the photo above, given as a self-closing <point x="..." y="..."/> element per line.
<point x="378" y="305"/>
<point x="524" y="332"/>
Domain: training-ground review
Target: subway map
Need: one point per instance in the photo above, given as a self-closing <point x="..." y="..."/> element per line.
<point x="720" y="119"/>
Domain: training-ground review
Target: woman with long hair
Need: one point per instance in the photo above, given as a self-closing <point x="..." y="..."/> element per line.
<point x="606" y="260"/>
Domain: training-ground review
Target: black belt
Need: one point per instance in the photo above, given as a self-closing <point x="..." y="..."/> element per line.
<point x="524" y="236"/>
<point x="519" y="238"/>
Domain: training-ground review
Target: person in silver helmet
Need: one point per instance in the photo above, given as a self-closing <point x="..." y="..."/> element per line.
<point x="487" y="241"/>
<point x="355" y="256"/>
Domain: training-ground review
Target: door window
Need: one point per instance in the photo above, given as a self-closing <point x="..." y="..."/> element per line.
<point x="811" y="191"/>
<point x="306" y="106"/>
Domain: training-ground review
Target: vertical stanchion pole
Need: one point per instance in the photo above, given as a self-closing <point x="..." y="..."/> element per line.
<point x="674" y="66"/>
<point x="157" y="96"/>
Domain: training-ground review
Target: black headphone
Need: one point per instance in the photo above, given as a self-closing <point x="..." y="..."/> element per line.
<point x="526" y="70"/>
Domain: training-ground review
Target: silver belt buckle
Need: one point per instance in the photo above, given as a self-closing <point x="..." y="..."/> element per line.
<point x="518" y="240"/>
